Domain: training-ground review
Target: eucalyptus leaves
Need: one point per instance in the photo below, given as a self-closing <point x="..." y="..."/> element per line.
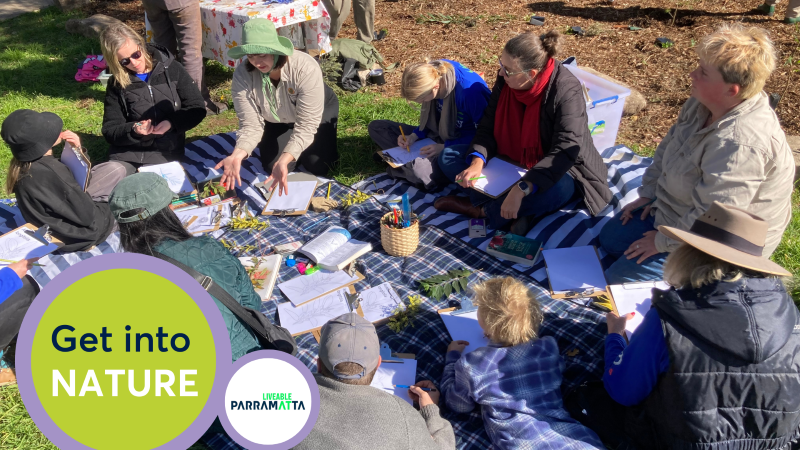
<point x="443" y="285"/>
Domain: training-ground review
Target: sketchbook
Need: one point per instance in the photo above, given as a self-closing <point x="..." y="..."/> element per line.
<point x="175" y="176"/>
<point x="77" y="163"/>
<point x="399" y="156"/>
<point x="20" y="243"/>
<point x="464" y="327"/>
<point x="574" y="272"/>
<point x="205" y="219"/>
<point x="334" y="249"/>
<point x="294" y="203"/>
<point x="305" y="288"/>
<point x="378" y="303"/>
<point x="500" y="177"/>
<point x="634" y="297"/>
<point x="312" y="315"/>
<point x="265" y="275"/>
<point x="390" y="374"/>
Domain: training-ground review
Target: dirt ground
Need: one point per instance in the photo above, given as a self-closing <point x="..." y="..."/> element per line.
<point x="473" y="32"/>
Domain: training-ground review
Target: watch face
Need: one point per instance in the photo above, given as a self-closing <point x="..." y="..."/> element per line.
<point x="523" y="186"/>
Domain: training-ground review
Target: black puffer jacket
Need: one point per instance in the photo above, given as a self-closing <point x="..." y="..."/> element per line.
<point x="169" y="94"/>
<point x="734" y="376"/>
<point x="566" y="141"/>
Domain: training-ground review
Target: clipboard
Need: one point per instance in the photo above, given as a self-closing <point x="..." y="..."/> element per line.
<point x="359" y="277"/>
<point x="317" y="331"/>
<point x="388" y="160"/>
<point x="504" y="159"/>
<point x="285" y="212"/>
<point x="41" y="235"/>
<point x="73" y="159"/>
<point x="573" y="293"/>
<point x="637" y="285"/>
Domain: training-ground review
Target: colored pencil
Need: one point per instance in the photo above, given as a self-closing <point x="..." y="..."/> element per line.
<point x="408" y="147"/>
<point x="409" y="387"/>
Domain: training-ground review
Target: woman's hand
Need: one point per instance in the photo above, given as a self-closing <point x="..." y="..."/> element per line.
<point x="143" y="128"/>
<point x="457" y="346"/>
<point x="473" y="171"/>
<point x="511" y="204"/>
<point x="162" y="127"/>
<point x="643" y="248"/>
<point x="424" y="398"/>
<point x="280" y="171"/>
<point x="627" y="211"/>
<point x="616" y="324"/>
<point x="407" y="140"/>
<point x="22" y="266"/>
<point x="232" y="165"/>
<point x="72" y="138"/>
<point x="431" y="150"/>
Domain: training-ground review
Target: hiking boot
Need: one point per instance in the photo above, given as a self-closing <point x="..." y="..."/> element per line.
<point x="791" y="20"/>
<point x="214" y="108"/>
<point x="766" y="9"/>
<point x="379" y="36"/>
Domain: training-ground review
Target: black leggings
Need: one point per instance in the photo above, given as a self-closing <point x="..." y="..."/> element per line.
<point x="320" y="156"/>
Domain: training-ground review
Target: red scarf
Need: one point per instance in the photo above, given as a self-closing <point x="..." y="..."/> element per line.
<point x="516" y="121"/>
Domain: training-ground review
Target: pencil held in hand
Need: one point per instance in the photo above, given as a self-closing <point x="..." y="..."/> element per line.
<point x="409" y="387"/>
<point x="408" y="147"/>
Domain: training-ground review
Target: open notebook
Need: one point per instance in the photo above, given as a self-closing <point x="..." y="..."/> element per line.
<point x="334" y="249"/>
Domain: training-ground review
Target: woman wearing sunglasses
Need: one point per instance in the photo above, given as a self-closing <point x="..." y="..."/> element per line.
<point x="536" y="118"/>
<point x="151" y="101"/>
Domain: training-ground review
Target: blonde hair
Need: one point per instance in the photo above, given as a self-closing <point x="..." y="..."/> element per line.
<point x="111" y="40"/>
<point x="688" y="267"/>
<point x="509" y="311"/>
<point x="420" y="78"/>
<point x="16" y="170"/>
<point x="743" y="55"/>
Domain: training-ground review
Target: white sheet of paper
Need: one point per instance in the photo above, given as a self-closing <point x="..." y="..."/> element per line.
<point x="299" y="319"/>
<point x="634" y="298"/>
<point x="465" y="327"/>
<point x="574" y="268"/>
<point x="306" y="287"/>
<point x="17" y="245"/>
<point x="205" y="217"/>
<point x="76" y="164"/>
<point x="174" y="174"/>
<point x="500" y="175"/>
<point x="378" y="302"/>
<point x="389" y="374"/>
<point x="402" y="155"/>
<point x="298" y="198"/>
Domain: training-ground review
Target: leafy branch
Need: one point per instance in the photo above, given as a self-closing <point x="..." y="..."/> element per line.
<point x="443" y="285"/>
<point x="403" y="316"/>
<point x="213" y="188"/>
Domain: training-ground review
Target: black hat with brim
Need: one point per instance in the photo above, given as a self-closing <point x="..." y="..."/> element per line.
<point x="31" y="134"/>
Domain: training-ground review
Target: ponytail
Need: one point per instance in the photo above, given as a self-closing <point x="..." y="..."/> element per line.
<point x="531" y="51"/>
<point x="420" y="78"/>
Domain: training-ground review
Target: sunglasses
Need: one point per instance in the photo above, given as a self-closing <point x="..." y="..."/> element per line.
<point x="136" y="55"/>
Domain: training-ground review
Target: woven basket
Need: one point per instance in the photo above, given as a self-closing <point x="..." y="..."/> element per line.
<point x="399" y="241"/>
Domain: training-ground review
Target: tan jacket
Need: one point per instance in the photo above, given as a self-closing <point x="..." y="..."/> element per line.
<point x="742" y="159"/>
<point x="300" y="97"/>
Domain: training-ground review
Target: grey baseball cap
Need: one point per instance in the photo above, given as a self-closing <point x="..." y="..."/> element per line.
<point x="145" y="191"/>
<point x="349" y="338"/>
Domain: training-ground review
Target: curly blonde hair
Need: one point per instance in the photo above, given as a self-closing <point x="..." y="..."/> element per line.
<point x="510" y="313"/>
<point x="743" y="55"/>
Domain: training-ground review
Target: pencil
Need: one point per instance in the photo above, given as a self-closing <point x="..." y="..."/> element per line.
<point x="329" y="191"/>
<point x="477" y="178"/>
<point x="12" y="262"/>
<point x="408" y="147"/>
<point x="408" y="387"/>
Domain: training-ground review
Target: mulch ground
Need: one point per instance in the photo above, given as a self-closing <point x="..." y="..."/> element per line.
<point x="473" y="32"/>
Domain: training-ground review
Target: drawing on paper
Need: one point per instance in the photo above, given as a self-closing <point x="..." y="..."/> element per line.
<point x="298" y="319"/>
<point x="378" y="303"/>
<point x="17" y="245"/>
<point x="174" y="174"/>
<point x="305" y="288"/>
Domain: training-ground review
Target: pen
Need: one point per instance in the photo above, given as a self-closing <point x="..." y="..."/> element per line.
<point x="409" y="387"/>
<point x="642" y="207"/>
<point x="408" y="147"/>
<point x="329" y="191"/>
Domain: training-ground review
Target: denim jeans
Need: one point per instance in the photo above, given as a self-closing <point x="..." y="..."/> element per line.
<point x="615" y="238"/>
<point x="453" y="161"/>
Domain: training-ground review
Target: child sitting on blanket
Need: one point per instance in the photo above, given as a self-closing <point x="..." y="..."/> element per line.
<point x="47" y="192"/>
<point x="517" y="378"/>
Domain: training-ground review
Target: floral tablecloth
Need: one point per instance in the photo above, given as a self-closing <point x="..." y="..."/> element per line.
<point x="305" y="22"/>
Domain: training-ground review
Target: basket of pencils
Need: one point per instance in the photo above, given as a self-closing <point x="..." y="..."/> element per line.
<point x="397" y="239"/>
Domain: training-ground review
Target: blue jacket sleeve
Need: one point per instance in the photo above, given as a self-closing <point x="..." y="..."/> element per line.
<point x="631" y="373"/>
<point x="474" y="100"/>
<point x="9" y="282"/>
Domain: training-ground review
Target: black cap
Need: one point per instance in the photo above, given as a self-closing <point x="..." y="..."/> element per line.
<point x="31" y="134"/>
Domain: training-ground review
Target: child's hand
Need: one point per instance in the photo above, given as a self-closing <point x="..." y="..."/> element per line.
<point x="72" y="138"/>
<point x="22" y="266"/>
<point x="424" y="399"/>
<point x="616" y="324"/>
<point x="457" y="346"/>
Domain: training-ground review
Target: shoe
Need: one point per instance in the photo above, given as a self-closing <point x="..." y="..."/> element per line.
<point x="214" y="108"/>
<point x="520" y="226"/>
<point x="766" y="9"/>
<point x="459" y="205"/>
<point x="379" y="36"/>
<point x="791" y="20"/>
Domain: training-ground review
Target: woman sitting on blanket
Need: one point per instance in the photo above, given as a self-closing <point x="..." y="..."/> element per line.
<point x="536" y="118"/>
<point x="453" y="99"/>
<point x="726" y="146"/>
<point x="284" y="108"/>
<point x="147" y="225"/>
<point x="47" y="192"/>
<point x="714" y="363"/>
<point x="151" y="101"/>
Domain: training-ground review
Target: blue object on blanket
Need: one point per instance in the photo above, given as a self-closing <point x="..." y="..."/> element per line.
<point x="406" y="211"/>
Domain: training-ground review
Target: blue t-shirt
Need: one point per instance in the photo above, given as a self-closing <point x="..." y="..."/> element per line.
<point x="143" y="76"/>
<point x="472" y="97"/>
<point x="9" y="282"/>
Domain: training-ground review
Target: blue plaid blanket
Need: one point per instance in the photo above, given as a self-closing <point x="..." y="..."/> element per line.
<point x="579" y="331"/>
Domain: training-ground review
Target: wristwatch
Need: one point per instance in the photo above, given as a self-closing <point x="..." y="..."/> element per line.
<point x="525" y="187"/>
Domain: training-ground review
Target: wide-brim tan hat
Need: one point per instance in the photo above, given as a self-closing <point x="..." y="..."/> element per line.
<point x="730" y="234"/>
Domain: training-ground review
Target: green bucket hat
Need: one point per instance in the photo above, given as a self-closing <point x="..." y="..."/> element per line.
<point x="259" y="36"/>
<point x="146" y="190"/>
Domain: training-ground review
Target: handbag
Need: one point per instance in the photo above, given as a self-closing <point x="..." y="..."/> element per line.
<point x="270" y="336"/>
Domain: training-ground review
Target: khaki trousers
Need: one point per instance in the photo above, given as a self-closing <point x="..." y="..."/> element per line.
<point x="363" y="14"/>
<point x="792" y="11"/>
